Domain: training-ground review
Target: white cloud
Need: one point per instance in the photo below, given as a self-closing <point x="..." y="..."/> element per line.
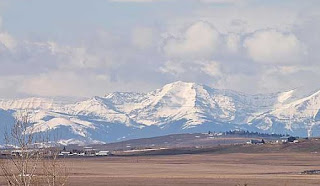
<point x="283" y="78"/>
<point x="173" y="67"/>
<point x="212" y="68"/>
<point x="233" y="42"/>
<point x="240" y="82"/>
<point x="199" y="41"/>
<point x="248" y="18"/>
<point x="7" y="40"/>
<point x="186" y="69"/>
<point x="289" y="69"/>
<point x="225" y="1"/>
<point x="79" y="57"/>
<point x="9" y="85"/>
<point x="76" y="83"/>
<point x="120" y="54"/>
<point x="142" y="37"/>
<point x="273" y="47"/>
<point x="94" y="67"/>
<point x="64" y="83"/>
<point x="135" y="1"/>
<point x="205" y="1"/>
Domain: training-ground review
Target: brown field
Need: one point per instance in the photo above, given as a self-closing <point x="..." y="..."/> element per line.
<point x="229" y="165"/>
<point x="196" y="169"/>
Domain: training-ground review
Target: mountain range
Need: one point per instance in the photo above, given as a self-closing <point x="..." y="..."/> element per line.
<point x="179" y="107"/>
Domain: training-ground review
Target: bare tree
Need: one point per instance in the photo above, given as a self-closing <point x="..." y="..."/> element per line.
<point x="54" y="168"/>
<point x="31" y="161"/>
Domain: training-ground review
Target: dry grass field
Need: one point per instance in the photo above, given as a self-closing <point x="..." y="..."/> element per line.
<point x="226" y="165"/>
<point x="196" y="169"/>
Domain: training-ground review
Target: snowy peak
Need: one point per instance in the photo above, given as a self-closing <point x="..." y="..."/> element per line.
<point x="174" y="95"/>
<point x="162" y="105"/>
<point x="192" y="102"/>
<point x="307" y="107"/>
<point x="120" y="98"/>
<point x="178" y="85"/>
<point x="285" y="96"/>
<point x="297" y="116"/>
<point x="98" y="108"/>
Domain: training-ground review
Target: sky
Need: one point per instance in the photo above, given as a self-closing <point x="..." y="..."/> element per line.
<point x="83" y="48"/>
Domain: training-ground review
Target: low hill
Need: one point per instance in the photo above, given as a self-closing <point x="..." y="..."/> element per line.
<point x="302" y="146"/>
<point x="188" y="140"/>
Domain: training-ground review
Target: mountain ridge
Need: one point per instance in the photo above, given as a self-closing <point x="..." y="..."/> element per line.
<point x="177" y="107"/>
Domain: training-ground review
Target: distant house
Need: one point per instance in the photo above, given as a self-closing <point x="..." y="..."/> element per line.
<point x="19" y="152"/>
<point x="89" y="151"/>
<point x="5" y="153"/>
<point x="103" y="153"/>
<point x="65" y="153"/>
<point x="255" y="141"/>
<point x="288" y="139"/>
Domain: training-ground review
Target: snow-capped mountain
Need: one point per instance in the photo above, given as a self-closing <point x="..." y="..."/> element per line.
<point x="300" y="117"/>
<point x="175" y="108"/>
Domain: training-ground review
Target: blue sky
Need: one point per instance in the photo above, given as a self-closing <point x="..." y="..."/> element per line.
<point x="86" y="48"/>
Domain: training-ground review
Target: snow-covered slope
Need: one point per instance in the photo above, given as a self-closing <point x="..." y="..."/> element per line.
<point x="98" y="108"/>
<point x="301" y="117"/>
<point x="176" y="107"/>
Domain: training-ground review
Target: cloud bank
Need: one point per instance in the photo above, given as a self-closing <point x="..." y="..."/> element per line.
<point x="248" y="46"/>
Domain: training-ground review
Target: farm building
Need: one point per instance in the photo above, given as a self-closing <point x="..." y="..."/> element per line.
<point x="89" y="151"/>
<point x="287" y="139"/>
<point x="255" y="141"/>
<point x="103" y="153"/>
